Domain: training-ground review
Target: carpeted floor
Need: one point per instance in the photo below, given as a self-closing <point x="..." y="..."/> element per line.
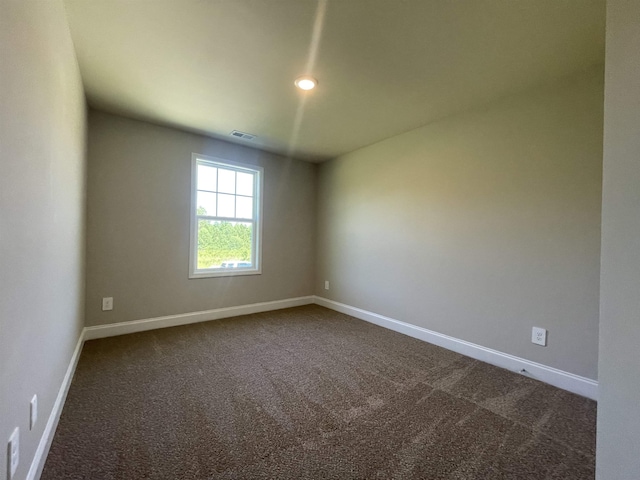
<point x="308" y="393"/>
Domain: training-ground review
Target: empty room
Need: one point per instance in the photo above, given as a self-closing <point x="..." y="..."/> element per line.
<point x="319" y="239"/>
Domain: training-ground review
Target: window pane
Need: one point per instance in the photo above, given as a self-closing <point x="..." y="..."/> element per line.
<point x="207" y="178"/>
<point x="244" y="207"/>
<point x="245" y="184"/>
<point x="226" y="205"/>
<point x="206" y="204"/>
<point x="226" y="181"/>
<point x="224" y="245"/>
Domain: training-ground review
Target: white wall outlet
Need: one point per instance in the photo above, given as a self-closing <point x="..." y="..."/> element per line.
<point x="33" y="412"/>
<point x="326" y="284"/>
<point x="539" y="336"/>
<point x="13" y="453"/>
<point x="107" y="304"/>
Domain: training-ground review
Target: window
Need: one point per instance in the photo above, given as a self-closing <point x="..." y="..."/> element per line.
<point x="226" y="202"/>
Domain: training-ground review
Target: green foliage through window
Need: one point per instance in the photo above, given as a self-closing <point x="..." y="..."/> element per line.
<point x="220" y="242"/>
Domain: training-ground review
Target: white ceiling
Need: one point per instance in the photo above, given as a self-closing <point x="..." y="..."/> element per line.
<point x="383" y="66"/>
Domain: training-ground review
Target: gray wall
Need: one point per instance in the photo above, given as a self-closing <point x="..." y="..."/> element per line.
<point x="139" y="178"/>
<point x="42" y="180"/>
<point x="619" y="407"/>
<point x="478" y="226"/>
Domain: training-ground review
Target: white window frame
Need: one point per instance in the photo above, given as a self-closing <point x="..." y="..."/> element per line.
<point x="256" y="240"/>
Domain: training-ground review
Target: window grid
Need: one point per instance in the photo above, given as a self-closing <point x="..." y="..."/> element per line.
<point x="217" y="193"/>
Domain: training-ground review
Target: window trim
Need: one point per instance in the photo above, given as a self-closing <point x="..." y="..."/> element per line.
<point x="256" y="247"/>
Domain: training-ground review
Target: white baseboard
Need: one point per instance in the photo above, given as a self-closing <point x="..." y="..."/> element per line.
<point x="553" y="376"/>
<point x="122" y="328"/>
<point x="40" y="457"/>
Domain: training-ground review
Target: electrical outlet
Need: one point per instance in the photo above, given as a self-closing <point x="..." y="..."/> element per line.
<point x="13" y="453"/>
<point x="539" y="336"/>
<point x="326" y="284"/>
<point x="33" y="412"/>
<point x="107" y="304"/>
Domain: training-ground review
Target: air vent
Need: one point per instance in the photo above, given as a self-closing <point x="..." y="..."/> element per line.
<point x="242" y="135"/>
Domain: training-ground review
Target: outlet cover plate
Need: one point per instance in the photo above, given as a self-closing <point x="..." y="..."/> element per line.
<point x="33" y="417"/>
<point x="107" y="304"/>
<point x="13" y="453"/>
<point x="539" y="336"/>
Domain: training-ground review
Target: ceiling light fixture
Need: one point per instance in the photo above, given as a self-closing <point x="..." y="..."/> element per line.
<point x="306" y="82"/>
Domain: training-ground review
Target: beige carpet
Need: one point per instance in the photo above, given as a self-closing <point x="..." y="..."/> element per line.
<point x="308" y="393"/>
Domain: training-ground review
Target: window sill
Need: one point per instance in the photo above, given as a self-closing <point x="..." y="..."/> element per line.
<point x="223" y="273"/>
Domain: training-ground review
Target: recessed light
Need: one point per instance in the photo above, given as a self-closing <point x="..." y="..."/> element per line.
<point x="306" y="82"/>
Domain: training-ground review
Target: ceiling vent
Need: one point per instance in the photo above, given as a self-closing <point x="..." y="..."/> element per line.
<point x="242" y="135"/>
